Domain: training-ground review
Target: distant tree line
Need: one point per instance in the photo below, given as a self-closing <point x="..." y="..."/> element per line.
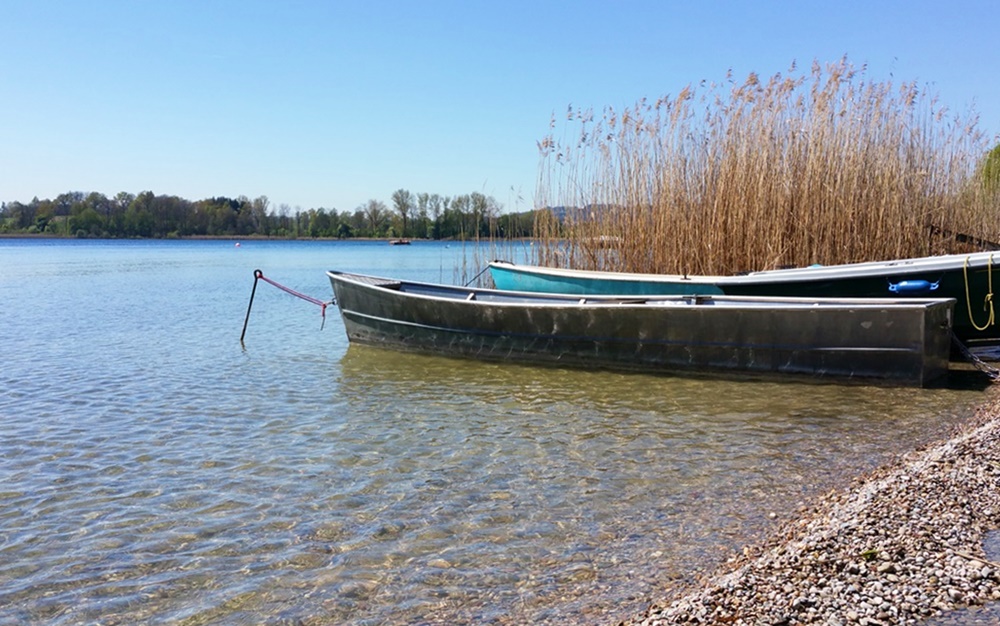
<point x="126" y="215"/>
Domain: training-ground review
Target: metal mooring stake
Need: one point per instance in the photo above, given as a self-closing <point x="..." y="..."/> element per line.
<point x="257" y="274"/>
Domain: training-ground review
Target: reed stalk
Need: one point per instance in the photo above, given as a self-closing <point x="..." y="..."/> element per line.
<point x="821" y="167"/>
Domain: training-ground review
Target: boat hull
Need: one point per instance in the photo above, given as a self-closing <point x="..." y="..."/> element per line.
<point x="889" y="342"/>
<point x="968" y="279"/>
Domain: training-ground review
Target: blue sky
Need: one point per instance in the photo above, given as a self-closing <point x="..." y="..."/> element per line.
<point x="330" y="103"/>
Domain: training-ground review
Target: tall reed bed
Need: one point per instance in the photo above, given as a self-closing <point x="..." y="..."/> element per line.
<point x="819" y="167"/>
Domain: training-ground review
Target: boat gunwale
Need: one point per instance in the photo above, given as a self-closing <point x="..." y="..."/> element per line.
<point x="504" y="298"/>
<point x="867" y="269"/>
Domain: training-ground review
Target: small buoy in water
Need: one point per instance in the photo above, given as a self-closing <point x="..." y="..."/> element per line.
<point x="237" y="244"/>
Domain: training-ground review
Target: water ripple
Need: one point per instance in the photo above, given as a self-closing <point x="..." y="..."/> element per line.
<point x="154" y="471"/>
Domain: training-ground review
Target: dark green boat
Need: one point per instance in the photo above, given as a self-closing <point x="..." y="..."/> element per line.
<point x="968" y="278"/>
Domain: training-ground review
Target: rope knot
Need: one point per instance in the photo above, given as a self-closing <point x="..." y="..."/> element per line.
<point x="987" y="300"/>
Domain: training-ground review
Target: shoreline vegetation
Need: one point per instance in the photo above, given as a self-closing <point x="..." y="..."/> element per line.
<point x="77" y="214"/>
<point x="822" y="166"/>
<point x="226" y="238"/>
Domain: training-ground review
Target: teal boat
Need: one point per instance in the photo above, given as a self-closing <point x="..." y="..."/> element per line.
<point x="968" y="278"/>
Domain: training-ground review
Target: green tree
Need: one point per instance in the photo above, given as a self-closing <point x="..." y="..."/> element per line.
<point x="64" y="202"/>
<point x="260" y="222"/>
<point x="484" y="210"/>
<point x="45" y="214"/>
<point x="438" y="211"/>
<point x="21" y="216"/>
<point x="376" y="214"/>
<point x="357" y="220"/>
<point x="86" y="222"/>
<point x="402" y="202"/>
<point x="319" y="223"/>
<point x="93" y="214"/>
<point x="138" y="217"/>
<point x="456" y="218"/>
<point x="116" y="217"/>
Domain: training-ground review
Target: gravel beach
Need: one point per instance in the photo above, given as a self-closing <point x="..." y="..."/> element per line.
<point x="903" y="544"/>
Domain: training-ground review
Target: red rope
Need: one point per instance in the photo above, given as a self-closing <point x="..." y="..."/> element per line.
<point x="260" y="275"/>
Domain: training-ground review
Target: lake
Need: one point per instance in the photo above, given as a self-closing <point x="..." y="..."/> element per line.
<point x="155" y="470"/>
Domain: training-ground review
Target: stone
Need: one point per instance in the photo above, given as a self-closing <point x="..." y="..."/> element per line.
<point x="891" y="549"/>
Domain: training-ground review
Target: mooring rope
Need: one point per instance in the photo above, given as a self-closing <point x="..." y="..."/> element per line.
<point x="259" y="275"/>
<point x="981" y="365"/>
<point x="476" y="277"/>
<point x="987" y="301"/>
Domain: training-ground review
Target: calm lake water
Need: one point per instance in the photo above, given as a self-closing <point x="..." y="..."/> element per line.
<point x="154" y="470"/>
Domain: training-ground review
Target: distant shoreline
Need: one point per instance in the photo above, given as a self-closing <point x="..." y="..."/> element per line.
<point x="414" y="240"/>
<point x="206" y="238"/>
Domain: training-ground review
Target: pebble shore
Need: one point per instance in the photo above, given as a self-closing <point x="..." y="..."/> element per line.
<point x="900" y="545"/>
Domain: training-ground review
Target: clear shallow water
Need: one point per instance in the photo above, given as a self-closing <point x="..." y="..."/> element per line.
<point x="153" y="469"/>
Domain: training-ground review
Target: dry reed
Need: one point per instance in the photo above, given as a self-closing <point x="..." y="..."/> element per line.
<point x="799" y="169"/>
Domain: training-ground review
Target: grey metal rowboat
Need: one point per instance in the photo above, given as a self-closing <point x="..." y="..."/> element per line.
<point x="886" y="341"/>
<point x="966" y="277"/>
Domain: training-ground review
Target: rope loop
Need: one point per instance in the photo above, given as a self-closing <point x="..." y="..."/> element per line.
<point x="987" y="300"/>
